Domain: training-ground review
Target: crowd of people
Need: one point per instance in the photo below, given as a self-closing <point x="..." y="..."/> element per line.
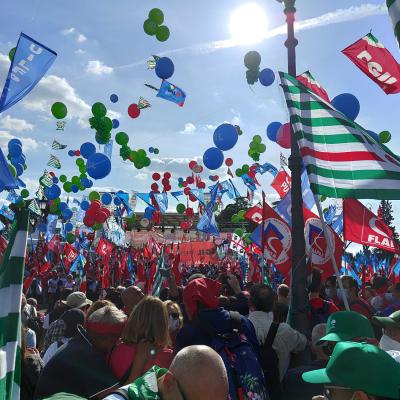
<point x="210" y="338"/>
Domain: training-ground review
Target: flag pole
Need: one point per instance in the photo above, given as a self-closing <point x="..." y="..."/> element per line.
<point x="330" y="249"/>
<point x="263" y="239"/>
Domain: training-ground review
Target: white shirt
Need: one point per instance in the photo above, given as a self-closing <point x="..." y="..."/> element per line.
<point x="287" y="339"/>
<point x="52" y="349"/>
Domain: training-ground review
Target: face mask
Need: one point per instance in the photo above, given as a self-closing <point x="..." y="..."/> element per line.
<point x="387" y="343"/>
<point x="173" y="324"/>
<point x="329" y="292"/>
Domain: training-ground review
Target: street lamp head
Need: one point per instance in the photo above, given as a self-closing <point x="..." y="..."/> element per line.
<point x="289" y="5"/>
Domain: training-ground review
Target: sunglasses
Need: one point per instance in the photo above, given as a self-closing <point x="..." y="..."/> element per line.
<point x="329" y="392"/>
<point x="174" y="315"/>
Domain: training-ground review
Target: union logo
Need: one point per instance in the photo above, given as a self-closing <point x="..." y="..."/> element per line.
<point x="278" y="240"/>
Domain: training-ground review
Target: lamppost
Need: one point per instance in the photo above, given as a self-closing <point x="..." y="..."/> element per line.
<point x="298" y="283"/>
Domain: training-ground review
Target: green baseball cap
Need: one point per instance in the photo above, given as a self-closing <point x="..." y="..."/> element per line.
<point x="64" y="396"/>
<point x="345" y="326"/>
<point x="360" y="366"/>
<point x="392" y="321"/>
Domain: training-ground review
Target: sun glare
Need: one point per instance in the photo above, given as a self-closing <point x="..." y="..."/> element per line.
<point x="248" y="23"/>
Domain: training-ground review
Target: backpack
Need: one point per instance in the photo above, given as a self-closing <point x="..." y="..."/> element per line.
<point x="245" y="375"/>
<point x="270" y="364"/>
<point x="319" y="315"/>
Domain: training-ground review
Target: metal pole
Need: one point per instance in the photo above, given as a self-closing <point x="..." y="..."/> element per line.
<point x="263" y="240"/>
<point x="298" y="283"/>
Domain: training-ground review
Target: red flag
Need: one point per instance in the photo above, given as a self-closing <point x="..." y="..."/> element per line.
<point x="70" y="253"/>
<point x="362" y="226"/>
<point x="282" y="183"/>
<point x="3" y="246"/>
<point x="254" y="214"/>
<point x="45" y="267"/>
<point x="253" y="274"/>
<point x="104" y="248"/>
<point x="316" y="245"/>
<point x="28" y="282"/>
<point x="308" y="80"/>
<point x="175" y="269"/>
<point x="372" y="58"/>
<point x="54" y="244"/>
<point x="105" y="282"/>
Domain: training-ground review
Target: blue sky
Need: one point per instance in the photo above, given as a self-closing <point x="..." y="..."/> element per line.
<point x="101" y="50"/>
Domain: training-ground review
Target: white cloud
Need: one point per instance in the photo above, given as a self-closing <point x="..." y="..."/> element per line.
<point x="189" y="129"/>
<point x="15" y="124"/>
<point x="141" y="176"/>
<point x="79" y="51"/>
<point x="79" y="37"/>
<point x="97" y="67"/>
<point x="28" y="144"/>
<point x="68" y="31"/>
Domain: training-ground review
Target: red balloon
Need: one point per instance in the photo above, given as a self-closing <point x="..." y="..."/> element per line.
<point x="101" y="217"/>
<point x="186" y="191"/>
<point x="202" y="185"/>
<point x="165" y="181"/>
<point x="183" y="225"/>
<point x="77" y="153"/>
<point x="192" y="164"/>
<point x="190" y="180"/>
<point x="167" y="188"/>
<point x="283" y="136"/>
<point x="154" y="187"/>
<point x="192" y="198"/>
<point x="184" y="183"/>
<point x="95" y="205"/>
<point x="52" y="173"/>
<point x="216" y="177"/>
<point x="228" y="162"/>
<point x="107" y="211"/>
<point x="167" y="175"/>
<point x="133" y="110"/>
<point x="156" y="176"/>
<point x="189" y="212"/>
<point x="88" y="221"/>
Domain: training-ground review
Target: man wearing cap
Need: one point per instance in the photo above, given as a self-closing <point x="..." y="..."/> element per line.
<point x="390" y="325"/>
<point x="357" y="371"/>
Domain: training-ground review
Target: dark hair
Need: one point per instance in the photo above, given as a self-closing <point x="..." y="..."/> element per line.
<point x="114" y="296"/>
<point x="379" y="282"/>
<point x="164" y="294"/>
<point x="262" y="297"/>
<point x="280" y="311"/>
<point x="351" y="281"/>
<point x="332" y="280"/>
<point x="315" y="285"/>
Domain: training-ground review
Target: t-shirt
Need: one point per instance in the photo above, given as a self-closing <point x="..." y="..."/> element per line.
<point x="53" y="285"/>
<point x="123" y="356"/>
<point x="77" y="368"/>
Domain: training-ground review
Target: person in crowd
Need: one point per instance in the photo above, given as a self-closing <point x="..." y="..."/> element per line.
<point x="147" y="323"/>
<point x="196" y="373"/>
<point x="114" y="296"/>
<point x="52" y="287"/>
<point x="357" y="371"/>
<point x="331" y="290"/>
<point x="79" y="367"/>
<point x="175" y="319"/>
<point x="356" y="303"/>
<point x="58" y="309"/>
<point x="294" y="388"/>
<point x="390" y="325"/>
<point x="283" y="294"/>
<point x="231" y="288"/>
<point x="130" y="297"/>
<point x="70" y="283"/>
<point x="72" y="318"/>
<point x="287" y="340"/>
<point x="96" y="306"/>
<point x="27" y="313"/>
<point x="395" y="306"/>
<point x="382" y="298"/>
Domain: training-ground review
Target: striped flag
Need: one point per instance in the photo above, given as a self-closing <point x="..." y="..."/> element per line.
<point x="58" y="146"/>
<point x="54" y="162"/>
<point x="342" y="159"/>
<point x="159" y="275"/>
<point x="11" y="278"/>
<point x="46" y="179"/>
<point x="143" y="103"/>
<point x="34" y="207"/>
<point x="394" y="12"/>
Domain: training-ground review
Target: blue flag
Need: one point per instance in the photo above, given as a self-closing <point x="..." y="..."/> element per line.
<point x="7" y="180"/>
<point x="145" y="197"/>
<point x="31" y="61"/>
<point x="198" y="193"/>
<point x="267" y="167"/>
<point x="170" y="92"/>
<point x="329" y="214"/>
<point x="207" y="223"/>
<point x="337" y="224"/>
<point x="249" y="182"/>
<point x="162" y="201"/>
<point x="51" y="226"/>
<point x="177" y="194"/>
<point x="108" y="147"/>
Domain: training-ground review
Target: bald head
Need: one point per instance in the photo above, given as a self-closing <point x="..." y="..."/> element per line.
<point x="130" y="297"/>
<point x="201" y="373"/>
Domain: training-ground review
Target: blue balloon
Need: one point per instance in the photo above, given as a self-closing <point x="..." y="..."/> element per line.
<point x="98" y="166"/>
<point x="115" y="123"/>
<point x="272" y="130"/>
<point x="85" y="182"/>
<point x="113" y="98"/>
<point x="375" y="136"/>
<point x="68" y="227"/>
<point x="85" y="205"/>
<point x="2" y="187"/>
<point x="19" y="168"/>
<point x="117" y="201"/>
<point x="55" y="179"/>
<point x="75" y="189"/>
<point x="106" y="199"/>
<point x="148" y="212"/>
<point x="71" y="153"/>
<point x="347" y="104"/>
<point x="67" y="214"/>
<point x="52" y="192"/>
<point x="89" y="184"/>
<point x="14" y="149"/>
<point x="42" y="227"/>
<point x="225" y="137"/>
<point x="164" y="68"/>
<point x="63" y="206"/>
<point x="151" y="149"/>
<point x="213" y="158"/>
<point x="18" y="160"/>
<point x="180" y="180"/>
<point x="14" y="141"/>
<point x="87" y="149"/>
<point x="266" y="77"/>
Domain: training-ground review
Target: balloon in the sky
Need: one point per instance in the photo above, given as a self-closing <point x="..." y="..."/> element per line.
<point x="252" y="59"/>
<point x="150" y="27"/>
<point x="164" y="68"/>
<point x="347" y="104"/>
<point x="85" y="205"/>
<point x="156" y="15"/>
<point x="115" y="123"/>
<point x="272" y="130"/>
<point x="15" y="149"/>
<point x="122" y="138"/>
<point x="11" y="54"/>
<point x="229" y="162"/>
<point x="113" y="98"/>
<point x="225" y="137"/>
<point x="133" y="111"/>
<point x="71" y="153"/>
<point x="52" y="192"/>
<point x="106" y="198"/>
<point x="266" y="77"/>
<point x="162" y="33"/>
<point x="98" y="166"/>
<point x="68" y="226"/>
<point x="99" y="109"/>
<point x="59" y="110"/>
<point x="87" y="149"/>
<point x="375" y="136"/>
<point x="385" y="136"/>
<point x="283" y="136"/>
<point x="213" y="158"/>
<point x="24" y="193"/>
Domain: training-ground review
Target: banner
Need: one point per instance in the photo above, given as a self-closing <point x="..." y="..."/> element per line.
<point x="170" y="92"/>
<point x="237" y="245"/>
<point x="266" y="167"/>
<point x="207" y="222"/>
<point x="363" y="226"/>
<point x="70" y="253"/>
<point x="308" y="80"/>
<point x="104" y="248"/>
<point x="197" y="252"/>
<point x="372" y="58"/>
<point x="254" y="214"/>
<point x="282" y="183"/>
<point x="30" y="62"/>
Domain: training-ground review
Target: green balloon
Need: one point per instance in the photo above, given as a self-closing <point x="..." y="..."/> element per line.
<point x="162" y="33"/>
<point x="156" y="151"/>
<point x="156" y="15"/>
<point x="81" y="187"/>
<point x="239" y="232"/>
<point x="24" y="193"/>
<point x="82" y="169"/>
<point x="180" y="208"/>
<point x="76" y="180"/>
<point x="253" y="145"/>
<point x="150" y="27"/>
<point x="53" y="209"/>
<point x="261" y="148"/>
<point x="99" y="110"/>
<point x="245" y="168"/>
<point x="385" y="136"/>
<point x="239" y="172"/>
<point x="257" y="139"/>
<point x="57" y="201"/>
<point x="79" y="161"/>
<point x="146" y="162"/>
<point x="252" y="59"/>
<point x="12" y="170"/>
<point x="94" y="196"/>
<point x="83" y="175"/>
<point x="67" y="187"/>
<point x="125" y="152"/>
<point x="11" y="54"/>
<point x="108" y="125"/>
<point x="252" y="77"/>
<point x="59" y="110"/>
<point x="97" y="226"/>
<point x="63" y="178"/>
<point x="122" y="138"/>
<point x="70" y="237"/>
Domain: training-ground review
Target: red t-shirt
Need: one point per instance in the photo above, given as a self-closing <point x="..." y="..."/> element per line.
<point x="362" y="307"/>
<point x="123" y="356"/>
<point x="318" y="304"/>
